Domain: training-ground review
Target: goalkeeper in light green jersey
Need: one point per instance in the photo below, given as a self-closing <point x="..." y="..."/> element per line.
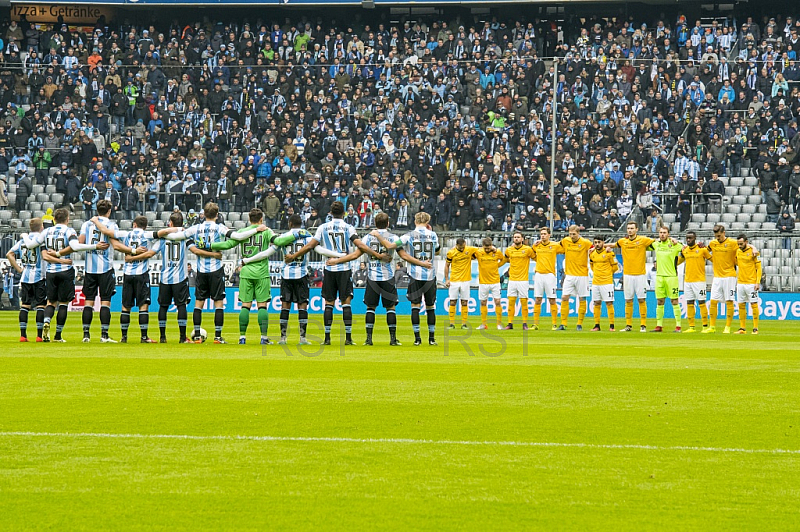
<point x="668" y="256"/>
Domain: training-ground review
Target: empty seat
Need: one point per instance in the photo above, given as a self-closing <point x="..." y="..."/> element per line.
<point x="714" y="218"/>
<point x="731" y="191"/>
<point x="739" y="200"/>
<point x="707" y="226"/>
<point x="38" y="189"/>
<point x="737" y="226"/>
<point x="728" y="218"/>
<point x="76" y="224"/>
<point x="743" y="218"/>
<point x="151" y="217"/>
<point x="751" y="181"/>
<point x="768" y="226"/>
<point x="698" y="217"/>
<point x="5" y="216"/>
<point x="669" y="218"/>
<point x="736" y="181"/>
<point x="48" y="205"/>
<point x="125" y="225"/>
<point x="58" y="199"/>
<point x="734" y="209"/>
<point x="749" y="209"/>
<point x="753" y="199"/>
<point x="759" y="217"/>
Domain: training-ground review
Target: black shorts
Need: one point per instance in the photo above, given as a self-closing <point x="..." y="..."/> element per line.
<point x="135" y="290"/>
<point x="380" y="290"/>
<point x="33" y="294"/>
<point x="179" y="293"/>
<point x="334" y="283"/>
<point x="210" y="286"/>
<point x="294" y="290"/>
<point x="61" y="286"/>
<point x="421" y="289"/>
<point x="103" y="283"/>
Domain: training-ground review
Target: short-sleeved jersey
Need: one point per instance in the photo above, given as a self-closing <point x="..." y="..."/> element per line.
<point x="519" y="260"/>
<point x="489" y="265"/>
<point x="667" y="254"/>
<point x="55" y="239"/>
<point x="336" y="235"/>
<point x="546" y="256"/>
<point x="634" y="254"/>
<point x="576" y="256"/>
<point x="99" y="260"/>
<point x="695" y="269"/>
<point x="33" y="266"/>
<point x="133" y="239"/>
<point x="749" y="266"/>
<point x="461" y="264"/>
<point x="422" y="244"/>
<point x="173" y="260"/>
<point x="377" y="270"/>
<point x="203" y="235"/>
<point x="298" y="268"/>
<point x="723" y="256"/>
<point x="604" y="264"/>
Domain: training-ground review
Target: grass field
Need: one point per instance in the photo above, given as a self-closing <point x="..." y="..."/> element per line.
<point x="571" y="431"/>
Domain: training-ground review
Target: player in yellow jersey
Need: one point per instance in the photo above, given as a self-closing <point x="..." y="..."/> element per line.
<point x="723" y="287"/>
<point x="694" y="280"/>
<point x="489" y="262"/>
<point x="634" y="279"/>
<point x="458" y="275"/>
<point x="519" y="258"/>
<point x="576" y="281"/>
<point x="604" y="266"/>
<point x="545" y="282"/>
<point x="748" y="263"/>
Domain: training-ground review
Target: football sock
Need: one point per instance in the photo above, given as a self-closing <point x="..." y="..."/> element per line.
<point x="512" y="309"/>
<point x="729" y="315"/>
<point x="86" y="318"/>
<point x="284" y="321"/>
<point x="704" y="313"/>
<point x="302" y="316"/>
<point x="754" y="307"/>
<point x="105" y="320"/>
<point x="659" y="315"/>
<point x="581" y="311"/>
<point x="464" y="313"/>
<point x="23" y="322"/>
<point x="347" y="318"/>
<point x="498" y="311"/>
<point x="162" y="321"/>
<point x="219" y="322"/>
<point x="523" y="302"/>
<point x="452" y="313"/>
<point x="430" y="313"/>
<point x="244" y="320"/>
<point x="676" y="310"/>
<point x="598" y="310"/>
<point x="391" y="321"/>
<point x="629" y="312"/>
<point x="537" y="311"/>
<point x="49" y="312"/>
<point x="197" y="320"/>
<point x="610" y="309"/>
<point x="124" y="322"/>
<point x="369" y="322"/>
<point x="415" y="321"/>
<point x="690" y="313"/>
<point x="328" y="320"/>
<point x="484" y="313"/>
<point x="742" y="315"/>
<point x="39" y="321"/>
<point x="144" y="322"/>
<point x="564" y="312"/>
<point x="61" y="320"/>
<point x="554" y="313"/>
<point x="643" y="313"/>
<point x="714" y="312"/>
<point x="182" y="320"/>
<point x="263" y="321"/>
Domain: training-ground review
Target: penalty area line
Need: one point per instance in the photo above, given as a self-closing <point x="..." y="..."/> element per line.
<point x="407" y="441"/>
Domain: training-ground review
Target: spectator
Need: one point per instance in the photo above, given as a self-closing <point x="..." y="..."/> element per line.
<point x="774" y="203"/>
<point x="89" y="197"/>
<point x="24" y="191"/>
<point x="785" y="227"/>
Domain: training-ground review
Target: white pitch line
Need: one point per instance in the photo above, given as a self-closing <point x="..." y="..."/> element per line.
<point x="409" y="441"/>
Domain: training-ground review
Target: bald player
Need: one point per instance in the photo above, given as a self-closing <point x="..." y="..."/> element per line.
<point x="545" y="282"/>
<point x="723" y="287"/>
<point x="576" y="282"/>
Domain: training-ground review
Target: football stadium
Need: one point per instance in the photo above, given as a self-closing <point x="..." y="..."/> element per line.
<point x="399" y="265"/>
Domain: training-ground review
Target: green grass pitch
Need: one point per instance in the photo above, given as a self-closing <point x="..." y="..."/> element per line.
<point x="563" y="431"/>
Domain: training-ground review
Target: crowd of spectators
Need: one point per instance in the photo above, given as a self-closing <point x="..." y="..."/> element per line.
<point x="450" y="117"/>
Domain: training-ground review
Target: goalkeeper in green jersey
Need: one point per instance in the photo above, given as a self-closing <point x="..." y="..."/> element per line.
<point x="668" y="256"/>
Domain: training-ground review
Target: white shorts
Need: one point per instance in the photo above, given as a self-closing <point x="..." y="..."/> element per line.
<point x="518" y="289"/>
<point x="459" y="291"/>
<point x="695" y="291"/>
<point x="603" y="292"/>
<point x="574" y="285"/>
<point x="544" y="285"/>
<point x="747" y="293"/>
<point x="635" y="286"/>
<point x="723" y="289"/>
<point x="486" y="291"/>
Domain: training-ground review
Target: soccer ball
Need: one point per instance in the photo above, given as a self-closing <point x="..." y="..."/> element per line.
<point x="203" y="335"/>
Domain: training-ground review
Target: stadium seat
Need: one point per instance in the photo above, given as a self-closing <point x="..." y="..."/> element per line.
<point x="58" y="199"/>
<point x="728" y="218"/>
<point x="748" y="209"/>
<point x="769" y="227"/>
<point x="743" y="218"/>
<point x="125" y="225"/>
<point x="713" y="218"/>
<point x="734" y="209"/>
<point x="737" y="226"/>
<point x="736" y="181"/>
<point x="751" y="181"/>
<point x="739" y="200"/>
<point x="759" y="217"/>
<point x="5" y="216"/>
<point x="669" y="218"/>
<point x="50" y="189"/>
<point x="698" y="217"/>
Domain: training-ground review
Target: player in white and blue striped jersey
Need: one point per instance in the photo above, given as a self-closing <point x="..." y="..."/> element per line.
<point x="340" y="237"/>
<point x="210" y="282"/>
<point x="422" y="244"/>
<point x="32" y="286"/>
<point x="136" y="275"/>
<point x="61" y="239"/>
<point x="100" y="277"/>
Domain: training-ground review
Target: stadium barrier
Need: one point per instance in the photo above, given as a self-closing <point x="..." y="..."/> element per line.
<point x="773" y="305"/>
